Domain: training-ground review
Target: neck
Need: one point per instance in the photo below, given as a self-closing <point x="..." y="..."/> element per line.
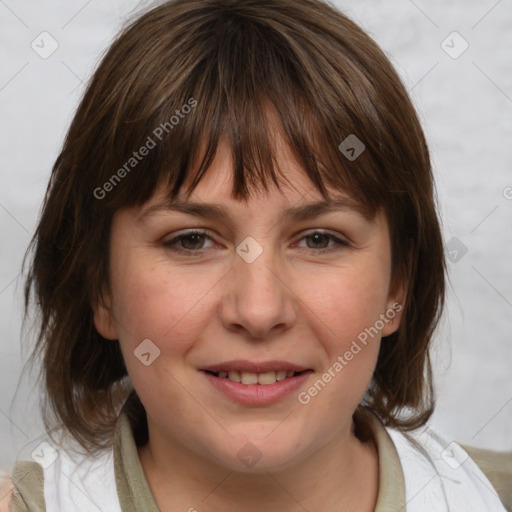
<point x="341" y="475"/>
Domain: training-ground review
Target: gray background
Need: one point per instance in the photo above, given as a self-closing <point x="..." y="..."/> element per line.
<point x="465" y="105"/>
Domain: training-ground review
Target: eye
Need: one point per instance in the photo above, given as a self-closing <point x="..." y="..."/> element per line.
<point x="189" y="242"/>
<point x="193" y="242"/>
<point x="319" y="240"/>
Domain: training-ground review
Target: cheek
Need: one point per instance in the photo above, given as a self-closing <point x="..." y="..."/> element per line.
<point x="347" y="301"/>
<point x="159" y="303"/>
<point x="343" y="321"/>
<point x="343" y="310"/>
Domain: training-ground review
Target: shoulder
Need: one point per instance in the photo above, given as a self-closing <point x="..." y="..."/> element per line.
<point x="497" y="467"/>
<point x="64" y="474"/>
<point x="64" y="479"/>
<point x="439" y="470"/>
<point x="25" y="491"/>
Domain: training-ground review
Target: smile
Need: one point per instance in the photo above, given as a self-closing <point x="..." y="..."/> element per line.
<point x="250" y="378"/>
<point x="257" y="389"/>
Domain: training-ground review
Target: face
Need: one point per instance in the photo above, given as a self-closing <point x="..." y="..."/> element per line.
<point x="253" y="295"/>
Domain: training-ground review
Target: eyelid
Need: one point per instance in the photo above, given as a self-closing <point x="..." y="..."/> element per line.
<point x="301" y="234"/>
<point x="340" y="241"/>
<point x="186" y="231"/>
<point x="183" y="233"/>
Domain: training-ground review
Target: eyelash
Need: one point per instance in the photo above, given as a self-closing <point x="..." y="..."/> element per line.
<point x="170" y="244"/>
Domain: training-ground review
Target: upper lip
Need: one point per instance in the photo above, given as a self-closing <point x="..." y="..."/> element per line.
<point x="240" y="365"/>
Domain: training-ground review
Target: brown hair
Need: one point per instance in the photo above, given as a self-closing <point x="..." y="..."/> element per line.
<point x="229" y="60"/>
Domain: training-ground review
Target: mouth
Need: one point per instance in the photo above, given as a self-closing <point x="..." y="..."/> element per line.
<point x="251" y="378"/>
<point x="256" y="384"/>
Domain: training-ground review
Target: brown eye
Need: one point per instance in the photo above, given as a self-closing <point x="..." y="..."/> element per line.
<point x="190" y="242"/>
<point x="319" y="241"/>
<point x="193" y="241"/>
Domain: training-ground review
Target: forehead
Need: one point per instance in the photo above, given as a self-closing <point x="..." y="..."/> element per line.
<point x="219" y="179"/>
<point x="296" y="194"/>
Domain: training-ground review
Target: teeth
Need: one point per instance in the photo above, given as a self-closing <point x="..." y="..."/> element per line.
<point x="234" y="376"/>
<point x="249" y="378"/>
<point x="266" y="378"/>
<point x="263" y="379"/>
<point x="281" y="375"/>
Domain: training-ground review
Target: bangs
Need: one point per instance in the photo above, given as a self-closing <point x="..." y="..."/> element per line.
<point x="241" y="80"/>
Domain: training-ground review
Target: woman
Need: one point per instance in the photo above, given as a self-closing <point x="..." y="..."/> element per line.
<point x="239" y="270"/>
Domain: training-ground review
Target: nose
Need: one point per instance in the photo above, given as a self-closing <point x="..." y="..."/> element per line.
<point x="258" y="299"/>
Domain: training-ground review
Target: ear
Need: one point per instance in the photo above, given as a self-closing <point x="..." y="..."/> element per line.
<point x="394" y="307"/>
<point x="103" y="318"/>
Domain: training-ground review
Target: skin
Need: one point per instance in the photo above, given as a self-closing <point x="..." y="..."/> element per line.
<point x="293" y="303"/>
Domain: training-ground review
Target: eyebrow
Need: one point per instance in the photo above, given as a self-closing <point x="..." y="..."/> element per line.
<point x="218" y="212"/>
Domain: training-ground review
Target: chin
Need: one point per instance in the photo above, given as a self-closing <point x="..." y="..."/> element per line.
<point x="259" y="456"/>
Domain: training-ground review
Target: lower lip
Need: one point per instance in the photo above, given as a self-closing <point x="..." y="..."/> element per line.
<point x="257" y="394"/>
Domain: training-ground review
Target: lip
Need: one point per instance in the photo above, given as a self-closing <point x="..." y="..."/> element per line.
<point x="241" y="365"/>
<point x="257" y="394"/>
